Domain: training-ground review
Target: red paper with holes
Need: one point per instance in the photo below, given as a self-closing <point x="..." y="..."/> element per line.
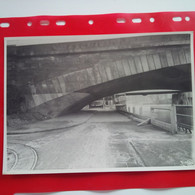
<point x="91" y="25"/>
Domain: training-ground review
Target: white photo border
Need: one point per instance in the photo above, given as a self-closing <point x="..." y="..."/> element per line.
<point x="72" y="38"/>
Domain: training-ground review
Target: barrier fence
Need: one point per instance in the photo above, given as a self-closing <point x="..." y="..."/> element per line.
<point x="162" y="116"/>
<point x="181" y="118"/>
<point x="184" y="118"/>
<point x="173" y="118"/>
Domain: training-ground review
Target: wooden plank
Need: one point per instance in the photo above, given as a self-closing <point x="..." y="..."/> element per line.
<point x="91" y="76"/>
<point x="151" y="62"/>
<point x="108" y="72"/>
<point x="97" y="74"/>
<point x="75" y="80"/>
<point x="132" y="66"/>
<point x="175" y="57"/>
<point x="163" y="59"/>
<point x="187" y="55"/>
<point x="102" y="73"/>
<point x="169" y="58"/>
<point x="182" y="57"/>
<point x="138" y="64"/>
<point x="62" y="84"/>
<point x="144" y="63"/>
<point x="114" y="70"/>
<point x="71" y="82"/>
<point x="157" y="61"/>
<point x="120" y="68"/>
<point x="126" y="67"/>
<point x="85" y="80"/>
<point x="67" y="83"/>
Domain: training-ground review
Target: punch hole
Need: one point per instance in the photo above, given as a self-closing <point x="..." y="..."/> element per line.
<point x="152" y="20"/>
<point x="44" y="22"/>
<point x="4" y="25"/>
<point x="120" y="20"/>
<point x="29" y="24"/>
<point x="60" y="23"/>
<point x="177" y="19"/>
<point x="187" y="18"/>
<point x="136" y="20"/>
<point x="90" y="22"/>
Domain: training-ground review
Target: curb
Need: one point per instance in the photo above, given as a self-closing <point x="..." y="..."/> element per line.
<point x="44" y="130"/>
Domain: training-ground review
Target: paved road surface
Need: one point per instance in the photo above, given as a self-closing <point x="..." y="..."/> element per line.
<point x="105" y="140"/>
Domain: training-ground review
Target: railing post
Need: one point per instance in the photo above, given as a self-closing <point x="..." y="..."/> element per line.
<point x="152" y="114"/>
<point x="174" y="119"/>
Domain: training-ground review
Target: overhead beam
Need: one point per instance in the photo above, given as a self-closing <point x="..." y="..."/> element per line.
<point x="99" y="45"/>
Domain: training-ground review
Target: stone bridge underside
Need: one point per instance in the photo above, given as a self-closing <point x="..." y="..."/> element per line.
<point x="54" y="79"/>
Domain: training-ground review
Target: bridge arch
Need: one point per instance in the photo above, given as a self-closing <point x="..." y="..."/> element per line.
<point x="112" y="66"/>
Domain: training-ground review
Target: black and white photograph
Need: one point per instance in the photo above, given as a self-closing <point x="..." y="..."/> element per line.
<point x="99" y="103"/>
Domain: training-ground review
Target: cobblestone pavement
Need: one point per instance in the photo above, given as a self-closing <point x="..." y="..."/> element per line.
<point x="105" y="140"/>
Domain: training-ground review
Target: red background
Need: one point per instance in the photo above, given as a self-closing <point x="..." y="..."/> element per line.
<point x="78" y="25"/>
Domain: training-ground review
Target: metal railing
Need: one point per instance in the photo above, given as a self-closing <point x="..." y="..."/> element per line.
<point x="184" y="118"/>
